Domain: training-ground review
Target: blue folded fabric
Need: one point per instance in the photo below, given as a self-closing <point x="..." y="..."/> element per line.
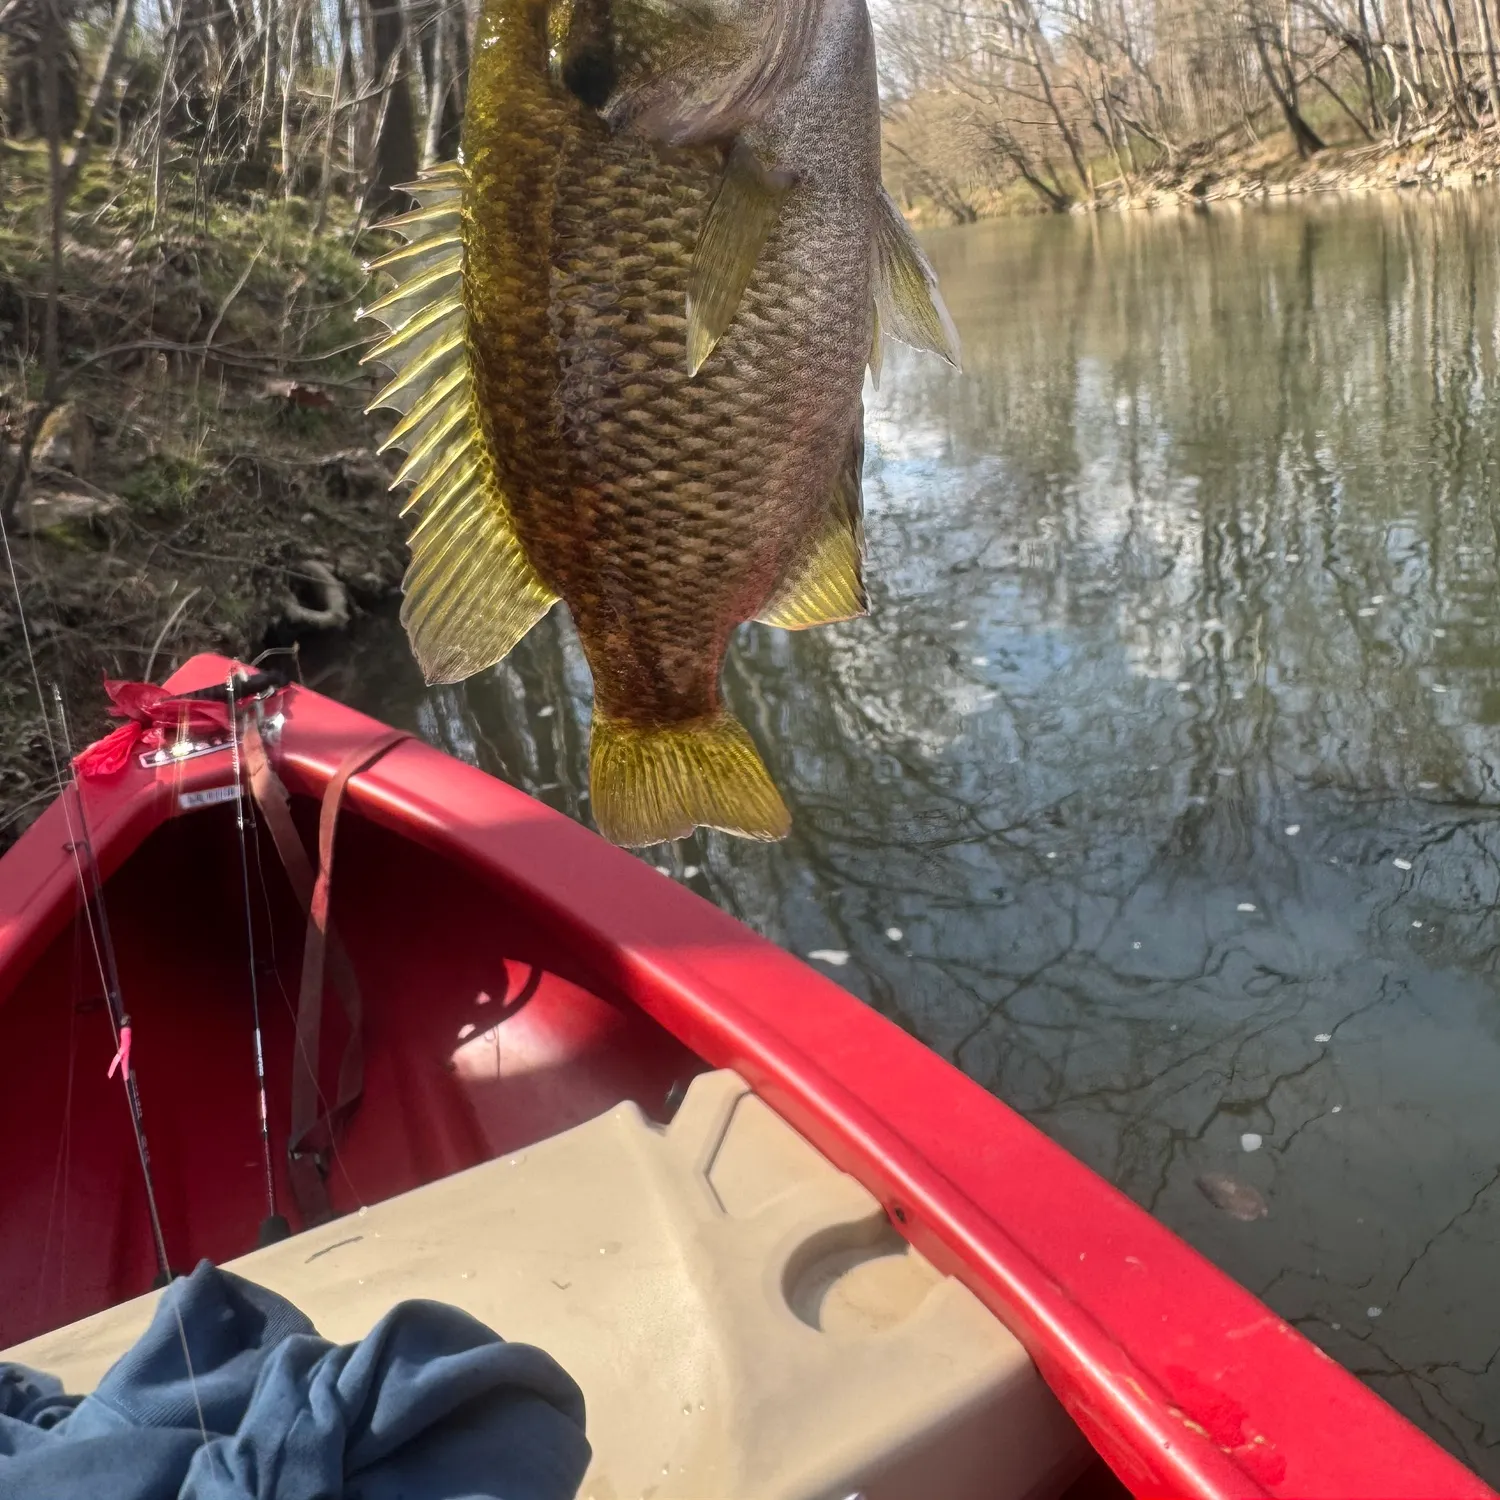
<point x="231" y="1395"/>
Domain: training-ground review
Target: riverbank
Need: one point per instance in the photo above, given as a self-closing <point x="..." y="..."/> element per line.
<point x="1434" y="158"/>
<point x="206" y="478"/>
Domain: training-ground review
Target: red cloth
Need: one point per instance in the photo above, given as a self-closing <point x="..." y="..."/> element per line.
<point x="153" y="718"/>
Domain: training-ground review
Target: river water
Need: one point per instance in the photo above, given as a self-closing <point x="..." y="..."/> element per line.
<point x="1160" y="790"/>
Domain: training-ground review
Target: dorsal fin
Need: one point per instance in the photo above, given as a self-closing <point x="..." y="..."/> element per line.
<point x="471" y="592"/>
<point x="826" y="584"/>
<point x="743" y="213"/>
<point x="907" y="300"/>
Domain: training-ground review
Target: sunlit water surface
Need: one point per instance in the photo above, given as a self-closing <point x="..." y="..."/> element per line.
<point x="1159" y="791"/>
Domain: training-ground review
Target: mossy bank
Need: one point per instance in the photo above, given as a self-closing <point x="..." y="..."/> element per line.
<point x="204" y="478"/>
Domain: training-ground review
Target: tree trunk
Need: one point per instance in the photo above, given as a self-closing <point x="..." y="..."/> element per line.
<point x="1414" y="48"/>
<point x="1306" y="139"/>
<point x="164" y="104"/>
<point x="1491" y="74"/>
<point x="109" y="62"/>
<point x="458" y="72"/>
<point x="270" y="67"/>
<point x="23" y="70"/>
<point x="1041" y="56"/>
<point x="1458" y="82"/>
<point x="342" y="78"/>
<point x="395" y="157"/>
<point x="435" y="61"/>
<point x="1343" y="104"/>
<point x="1367" y="62"/>
<point x="47" y="61"/>
<point x="294" y="39"/>
<point x="51" y="44"/>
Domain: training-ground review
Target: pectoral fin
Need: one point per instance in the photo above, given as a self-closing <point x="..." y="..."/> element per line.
<point x="826" y="584"/>
<point x="907" y="299"/>
<point x="471" y="593"/>
<point x="743" y="213"/>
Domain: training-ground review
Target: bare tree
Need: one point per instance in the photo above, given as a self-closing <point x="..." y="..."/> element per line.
<point x="1060" y="95"/>
<point x="394" y="159"/>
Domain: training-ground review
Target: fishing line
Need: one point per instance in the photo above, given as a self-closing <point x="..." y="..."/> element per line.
<point x="62" y="1165"/>
<point x="274" y="1227"/>
<point x="93" y="904"/>
<point x="93" y="909"/>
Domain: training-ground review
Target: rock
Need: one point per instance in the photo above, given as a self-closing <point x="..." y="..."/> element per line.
<point x="45" y="508"/>
<point x="66" y="441"/>
<point x="356" y="471"/>
<point x="318" y="600"/>
<point x="1237" y="1199"/>
<point x="298" y="393"/>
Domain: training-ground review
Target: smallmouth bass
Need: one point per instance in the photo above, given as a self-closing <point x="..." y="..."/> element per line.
<point x="630" y="330"/>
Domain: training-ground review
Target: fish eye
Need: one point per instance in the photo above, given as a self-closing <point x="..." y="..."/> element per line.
<point x="589" y="73"/>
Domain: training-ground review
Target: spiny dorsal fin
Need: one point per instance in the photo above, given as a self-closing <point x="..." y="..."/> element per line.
<point x="826" y="584"/>
<point x="471" y="593"/>
<point x="907" y="298"/>
<point x="743" y="213"/>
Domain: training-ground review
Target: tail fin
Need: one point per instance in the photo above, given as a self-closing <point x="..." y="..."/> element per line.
<point x="652" y="785"/>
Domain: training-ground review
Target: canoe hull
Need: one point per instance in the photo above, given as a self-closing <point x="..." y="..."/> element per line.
<point x="457" y="894"/>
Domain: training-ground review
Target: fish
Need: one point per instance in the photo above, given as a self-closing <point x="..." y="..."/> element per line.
<point x="629" y="332"/>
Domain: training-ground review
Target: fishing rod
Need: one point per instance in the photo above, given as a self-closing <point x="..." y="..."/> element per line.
<point x="234" y="691"/>
<point x="91" y="886"/>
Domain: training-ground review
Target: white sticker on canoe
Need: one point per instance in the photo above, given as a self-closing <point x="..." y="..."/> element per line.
<point x="188" y="801"/>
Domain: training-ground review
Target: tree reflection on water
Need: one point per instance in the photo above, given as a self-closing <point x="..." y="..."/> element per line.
<point x="1202" y="549"/>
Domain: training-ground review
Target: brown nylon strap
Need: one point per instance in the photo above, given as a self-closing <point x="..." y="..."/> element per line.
<point x="311" y="1131"/>
<point x="313" y="1127"/>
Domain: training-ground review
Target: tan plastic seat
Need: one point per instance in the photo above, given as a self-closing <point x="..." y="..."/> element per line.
<point x="743" y="1322"/>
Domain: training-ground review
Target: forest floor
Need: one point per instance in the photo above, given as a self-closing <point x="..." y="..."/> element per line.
<point x="207" y="479"/>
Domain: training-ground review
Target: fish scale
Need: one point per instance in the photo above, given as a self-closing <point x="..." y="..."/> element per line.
<point x="645" y="397"/>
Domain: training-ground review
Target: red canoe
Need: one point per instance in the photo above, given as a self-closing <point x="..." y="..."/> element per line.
<point x="482" y="925"/>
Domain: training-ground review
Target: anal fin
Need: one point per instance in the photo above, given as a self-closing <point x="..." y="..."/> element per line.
<point x="826" y="583"/>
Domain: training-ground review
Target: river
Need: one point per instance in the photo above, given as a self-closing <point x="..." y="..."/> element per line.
<point x="1159" y="792"/>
